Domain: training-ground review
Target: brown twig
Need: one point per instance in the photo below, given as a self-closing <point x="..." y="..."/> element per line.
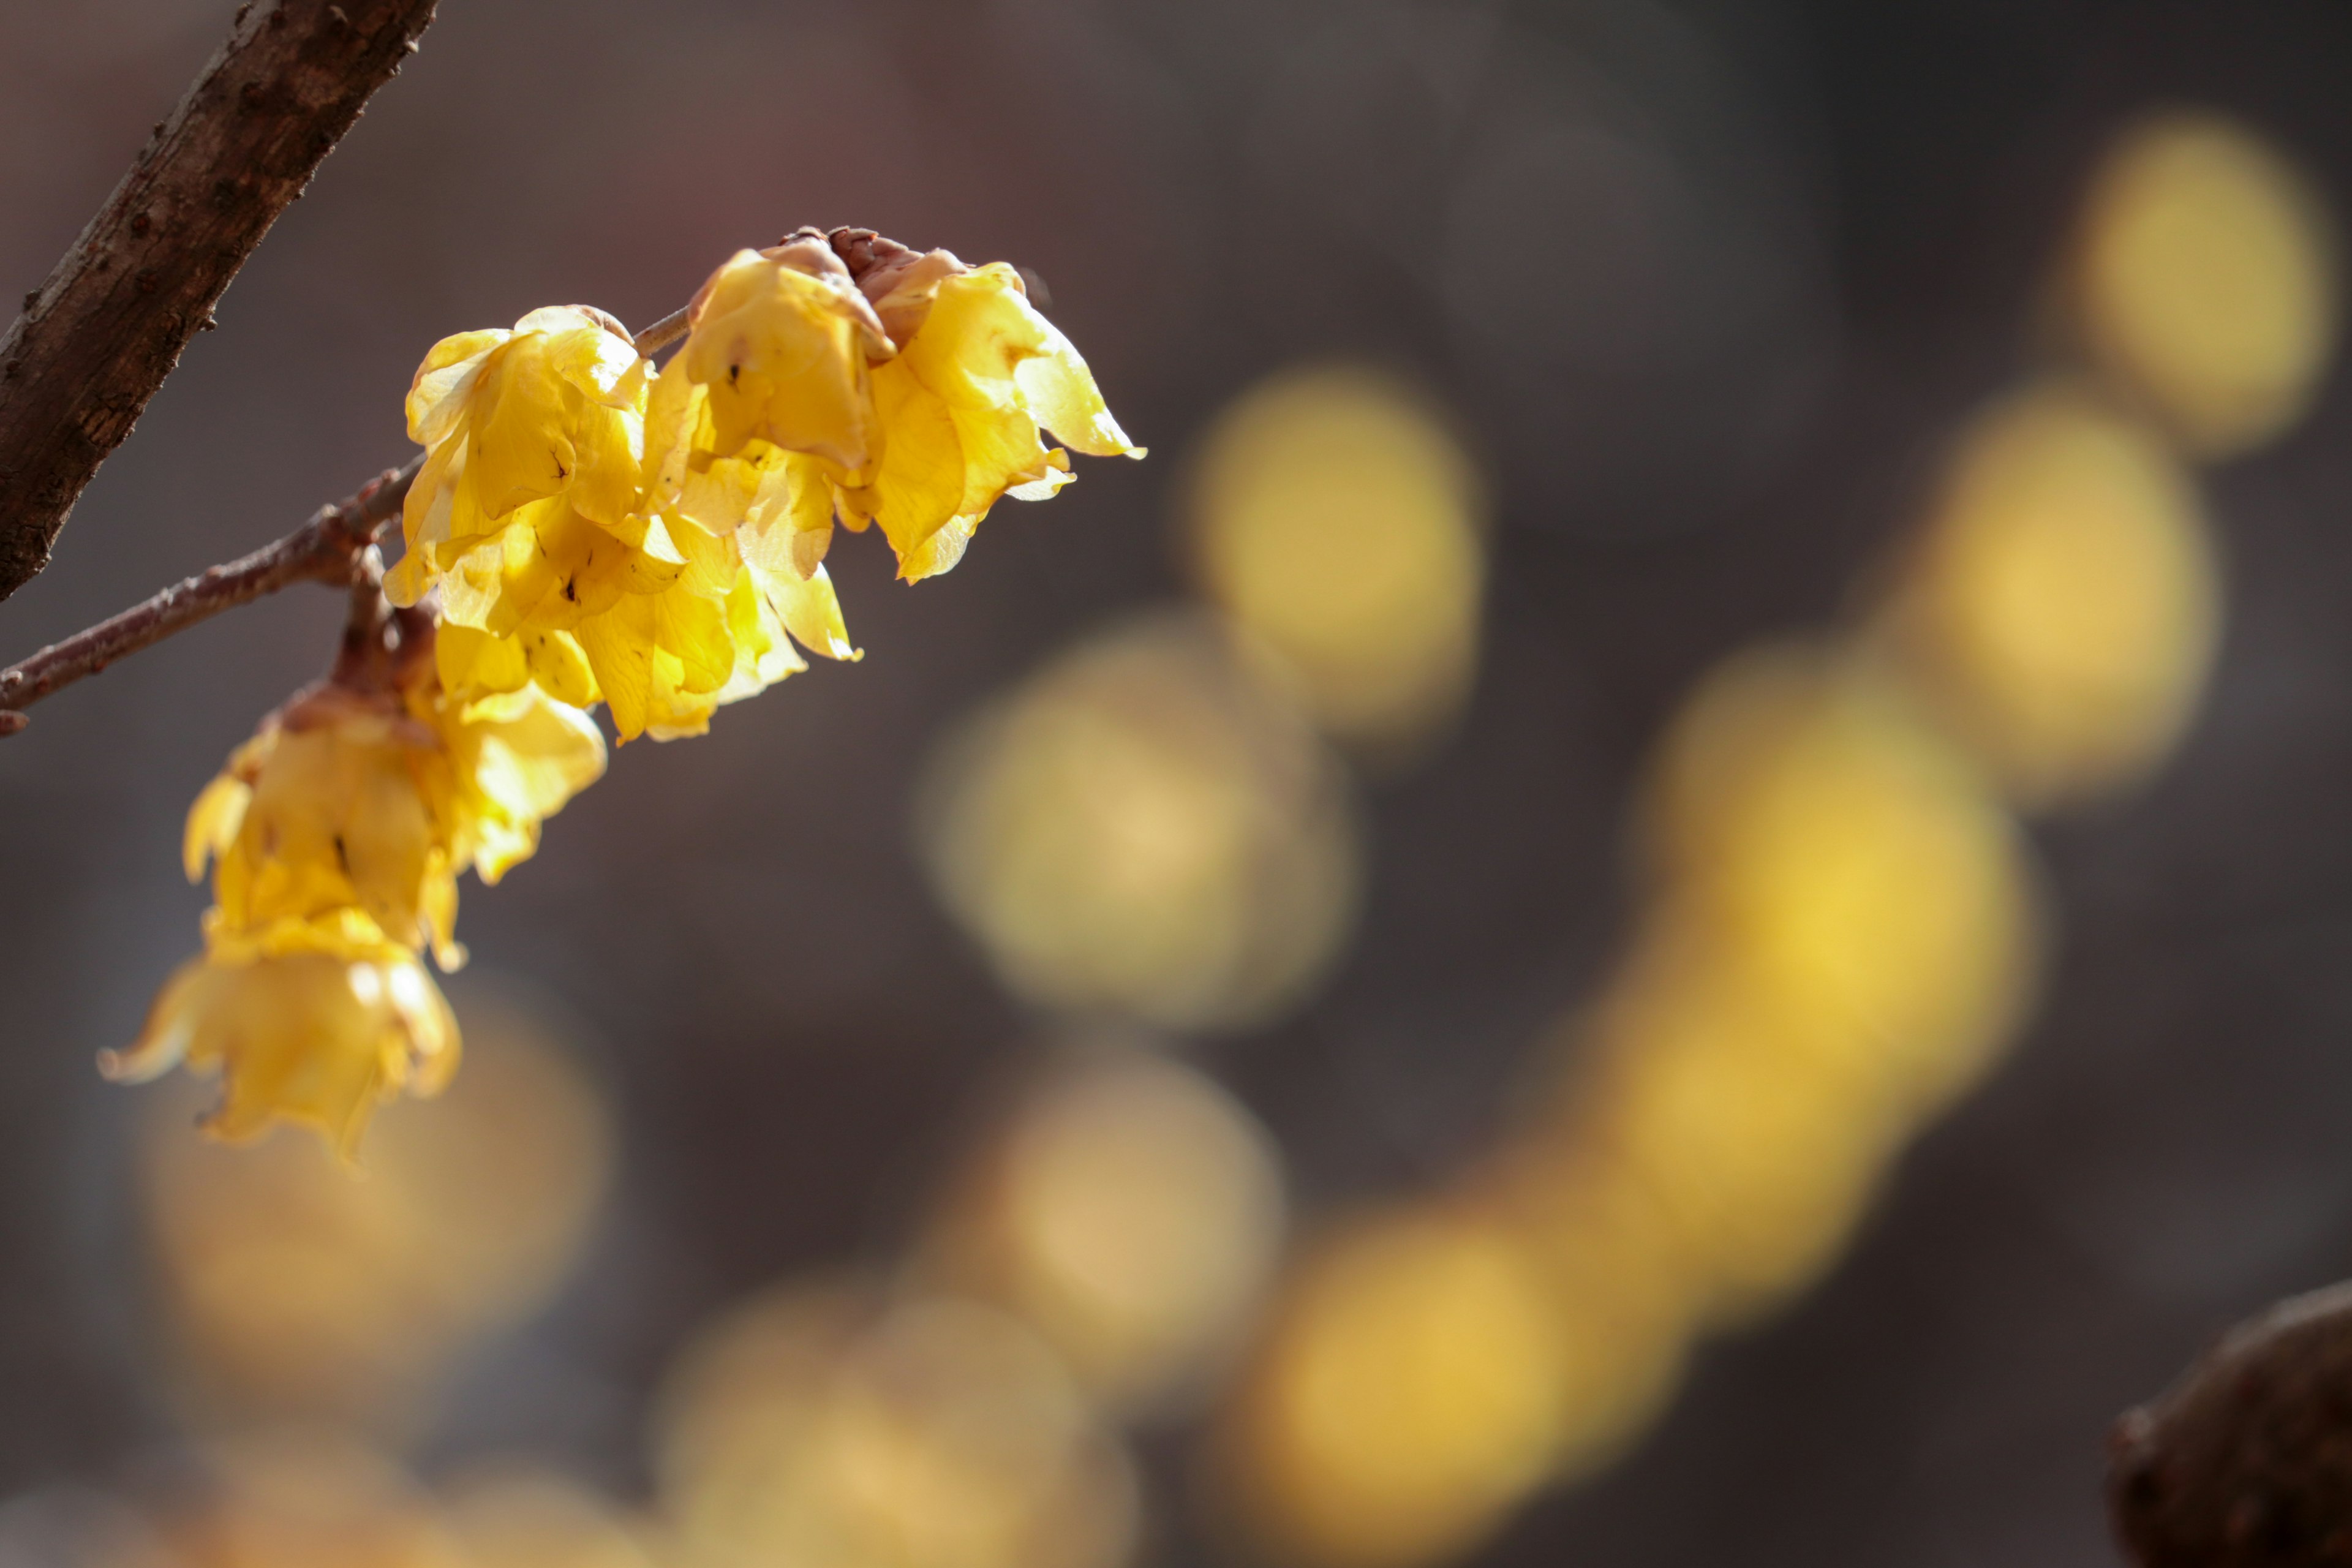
<point x="322" y="549"/>
<point x="98" y="337"/>
<point x="2246" y="1462"/>
<point x="664" y="332"/>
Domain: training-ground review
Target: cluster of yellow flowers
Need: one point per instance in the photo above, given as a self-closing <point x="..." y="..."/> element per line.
<point x="587" y="528"/>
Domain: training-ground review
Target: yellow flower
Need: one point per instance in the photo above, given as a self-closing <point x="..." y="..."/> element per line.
<point x="978" y="375"/>
<point x="959" y="374"/>
<point x="521" y="426"/>
<point x="663" y="631"/>
<point x="338" y="802"/>
<point x="780" y="345"/>
<point x="316" y="1036"/>
<point x="365" y="804"/>
<point x="516" y="758"/>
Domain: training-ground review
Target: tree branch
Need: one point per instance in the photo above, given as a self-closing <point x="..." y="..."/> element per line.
<point x="98" y="337"/>
<point x="322" y="549"/>
<point x="2246" y="1462"/>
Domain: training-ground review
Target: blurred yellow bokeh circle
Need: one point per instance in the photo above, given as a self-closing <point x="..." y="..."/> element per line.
<point x="1748" y="1158"/>
<point x="1844" y="864"/>
<point x="1131" y="1211"/>
<point x="294" y="1285"/>
<point x="1618" y="1287"/>
<point x="514" y="1517"/>
<point x="826" y="1424"/>
<point x="1408" y="1391"/>
<point x="2062" y="607"/>
<point x="2207" y="278"/>
<point x="1143" y="831"/>
<point x="1336" y="520"/>
<point x="299" y="1497"/>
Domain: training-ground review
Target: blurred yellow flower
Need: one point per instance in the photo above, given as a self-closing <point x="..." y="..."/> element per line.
<point x="1143" y="830"/>
<point x="2205" y="277"/>
<point x="318" y="1037"/>
<point x="1801" y="804"/>
<point x="372" y="801"/>
<point x="1408" y="1393"/>
<point x="293" y="1291"/>
<point x="1132" y="1212"/>
<point x="826" y="1426"/>
<point x="527" y="1518"/>
<point x="302" y="1499"/>
<point x="1339" y="523"/>
<point x="2063" y="610"/>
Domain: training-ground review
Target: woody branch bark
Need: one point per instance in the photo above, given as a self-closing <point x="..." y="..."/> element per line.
<point x="98" y="337"/>
<point x="2246" y="1462"/>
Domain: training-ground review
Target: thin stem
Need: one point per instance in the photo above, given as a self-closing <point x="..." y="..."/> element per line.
<point x="321" y="551"/>
<point x="330" y="548"/>
<point x="664" y="332"/>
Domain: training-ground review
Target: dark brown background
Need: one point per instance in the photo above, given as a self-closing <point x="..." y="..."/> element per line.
<point x="1703" y="420"/>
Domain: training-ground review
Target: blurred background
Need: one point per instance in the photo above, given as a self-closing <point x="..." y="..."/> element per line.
<point x="1673" y="885"/>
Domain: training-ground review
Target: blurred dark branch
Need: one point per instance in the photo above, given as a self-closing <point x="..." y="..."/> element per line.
<point x="98" y="337"/>
<point x="2246" y="1462"/>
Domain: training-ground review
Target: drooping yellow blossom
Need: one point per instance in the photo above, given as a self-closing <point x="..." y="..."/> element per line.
<point x="661" y="550"/>
<point x="530" y="517"/>
<point x="521" y="426"/>
<point x="365" y="805"/>
<point x="781" y="346"/>
<point x="332" y="807"/>
<point x="979" y="375"/>
<point x="307" y="1031"/>
<point x="337" y="835"/>
<point x="962" y="377"/>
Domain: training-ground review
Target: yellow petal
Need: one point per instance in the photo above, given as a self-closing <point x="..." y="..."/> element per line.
<point x="811" y="609"/>
<point x="308" y="1037"/>
<point x="1062" y="397"/>
<point x="763" y="648"/>
<point x="939" y="553"/>
<point x="436" y="397"/>
<point x="213" y="823"/>
<point x="601" y="364"/>
<point x="425" y="510"/>
<point x="517" y="421"/>
<point x="783" y="356"/>
<point x="439" y="907"/>
<point x="564" y="568"/>
<point x="658" y="658"/>
<point x="921" y="481"/>
<point x="525" y="756"/>
<point x="557" y="666"/>
<point x="473" y="663"/>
